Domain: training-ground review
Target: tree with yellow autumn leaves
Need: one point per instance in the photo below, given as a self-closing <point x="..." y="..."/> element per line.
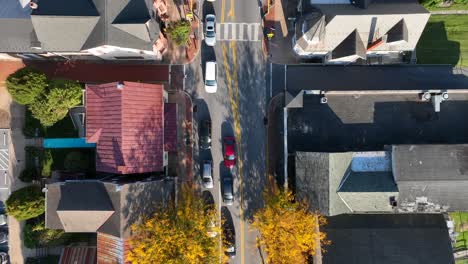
<point x="181" y="233"/>
<point x="289" y="232"/>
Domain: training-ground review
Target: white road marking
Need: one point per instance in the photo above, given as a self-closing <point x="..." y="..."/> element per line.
<point x="226" y="31"/>
<point x="235" y="31"/>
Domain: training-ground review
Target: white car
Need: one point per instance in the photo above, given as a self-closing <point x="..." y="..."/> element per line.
<point x="207" y="176"/>
<point x="3" y="220"/>
<point x="210" y="30"/>
<point x="210" y="77"/>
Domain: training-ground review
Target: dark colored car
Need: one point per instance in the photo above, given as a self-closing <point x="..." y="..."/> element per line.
<point x="229" y="234"/>
<point x="229" y="146"/>
<point x="205" y="134"/>
<point x="228" y="190"/>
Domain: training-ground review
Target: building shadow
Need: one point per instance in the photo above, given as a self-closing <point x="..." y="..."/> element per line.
<point x="435" y="47"/>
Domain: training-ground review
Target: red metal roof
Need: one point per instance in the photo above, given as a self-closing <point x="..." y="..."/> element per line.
<point x="127" y="126"/>
<point x="82" y="255"/>
<point x="111" y="249"/>
<point x="170" y="127"/>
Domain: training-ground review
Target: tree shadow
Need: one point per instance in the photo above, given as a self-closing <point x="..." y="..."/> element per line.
<point x="252" y="108"/>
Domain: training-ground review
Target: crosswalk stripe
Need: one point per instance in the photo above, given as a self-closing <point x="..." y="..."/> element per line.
<point x="238" y="32"/>
<point x="226" y="31"/>
<point x="234" y="36"/>
<point x="241" y="31"/>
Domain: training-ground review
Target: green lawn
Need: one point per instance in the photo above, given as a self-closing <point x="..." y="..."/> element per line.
<point x="461" y="261"/>
<point x="462" y="239"/>
<point x="434" y="5"/>
<point x="455" y="6"/>
<point x="444" y="41"/>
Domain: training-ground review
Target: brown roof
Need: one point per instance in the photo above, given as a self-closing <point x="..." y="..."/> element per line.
<point x="170" y="127"/>
<point x="82" y="255"/>
<point x="127" y="125"/>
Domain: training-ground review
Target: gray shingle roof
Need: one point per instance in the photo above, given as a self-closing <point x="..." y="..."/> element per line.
<point x="78" y="25"/>
<point x="336" y="183"/>
<point x="388" y="239"/>
<point x="435" y="176"/>
<point x="91" y="200"/>
<point x="75" y="201"/>
<point x="430" y="162"/>
<point x="63" y="33"/>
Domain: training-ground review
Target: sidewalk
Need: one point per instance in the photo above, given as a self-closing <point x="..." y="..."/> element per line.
<point x="273" y="137"/>
<point x="276" y="22"/>
<point x="17" y="251"/>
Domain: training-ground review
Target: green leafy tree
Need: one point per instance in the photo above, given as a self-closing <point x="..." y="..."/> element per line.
<point x="35" y="234"/>
<point x="179" y="32"/>
<point x="26" y="203"/>
<point x="177" y="234"/>
<point x="26" y="84"/>
<point x="290" y="233"/>
<point x="54" y="106"/>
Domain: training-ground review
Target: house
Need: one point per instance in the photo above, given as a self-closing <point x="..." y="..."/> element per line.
<point x="431" y="177"/>
<point x="133" y="126"/>
<point x="347" y="182"/>
<point x="407" y="178"/>
<point x="105" y="208"/>
<point x="387" y="239"/>
<point x="363" y="32"/>
<point x="105" y="29"/>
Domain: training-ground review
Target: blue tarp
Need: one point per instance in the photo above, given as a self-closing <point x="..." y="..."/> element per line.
<point x="67" y="143"/>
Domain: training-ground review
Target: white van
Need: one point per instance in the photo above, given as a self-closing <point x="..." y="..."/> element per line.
<point x="210" y="77"/>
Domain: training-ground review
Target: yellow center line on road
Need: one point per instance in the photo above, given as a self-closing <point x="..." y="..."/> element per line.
<point x="232" y="11"/>
<point x="240" y="162"/>
<point x="223" y="7"/>
<point x="233" y="83"/>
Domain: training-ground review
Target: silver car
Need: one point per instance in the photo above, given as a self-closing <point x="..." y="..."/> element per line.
<point x="210" y="30"/>
<point x="207" y="174"/>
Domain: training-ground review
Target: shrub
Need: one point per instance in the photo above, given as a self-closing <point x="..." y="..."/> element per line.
<point x="54" y="106"/>
<point x="28" y="174"/>
<point x="35" y="234"/>
<point x="26" y="203"/>
<point x="25" y="85"/>
<point x="179" y="32"/>
<point x="47" y="162"/>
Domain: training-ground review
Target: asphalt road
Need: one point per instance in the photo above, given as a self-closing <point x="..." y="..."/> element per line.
<point x="236" y="109"/>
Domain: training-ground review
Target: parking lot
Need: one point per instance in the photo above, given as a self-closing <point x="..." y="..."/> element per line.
<point x="368" y="122"/>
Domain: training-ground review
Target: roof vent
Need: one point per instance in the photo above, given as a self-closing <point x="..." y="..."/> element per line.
<point x="426" y="96"/>
<point x="120" y="85"/>
<point x="323" y="100"/>
<point x="33" y="5"/>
